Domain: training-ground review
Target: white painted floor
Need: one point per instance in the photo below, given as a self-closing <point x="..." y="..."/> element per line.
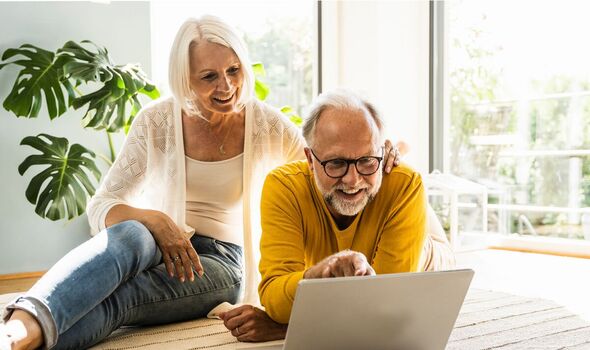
<point x="563" y="280"/>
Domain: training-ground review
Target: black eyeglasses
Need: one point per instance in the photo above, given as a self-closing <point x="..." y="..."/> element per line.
<point x="337" y="168"/>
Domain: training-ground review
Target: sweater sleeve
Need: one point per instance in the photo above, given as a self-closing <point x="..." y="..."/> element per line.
<point x="282" y="248"/>
<point x="124" y="179"/>
<point x="437" y="253"/>
<point x="400" y="244"/>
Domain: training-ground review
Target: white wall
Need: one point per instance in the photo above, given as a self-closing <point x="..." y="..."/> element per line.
<point x="381" y="49"/>
<point x="27" y="242"/>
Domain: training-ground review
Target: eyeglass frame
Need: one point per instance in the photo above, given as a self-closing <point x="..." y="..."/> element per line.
<point x="348" y="162"/>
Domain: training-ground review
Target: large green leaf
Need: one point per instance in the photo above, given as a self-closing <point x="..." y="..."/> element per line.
<point x="85" y="65"/>
<point x="115" y="96"/>
<point x="107" y="106"/>
<point x="41" y="75"/>
<point x="63" y="187"/>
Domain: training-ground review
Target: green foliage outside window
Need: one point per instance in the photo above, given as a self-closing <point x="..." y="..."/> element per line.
<point x="479" y="107"/>
<point x="285" y="47"/>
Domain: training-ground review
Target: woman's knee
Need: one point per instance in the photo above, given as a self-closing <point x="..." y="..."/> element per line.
<point x="131" y="235"/>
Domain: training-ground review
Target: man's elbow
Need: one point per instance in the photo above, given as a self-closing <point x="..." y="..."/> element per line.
<point x="278" y="311"/>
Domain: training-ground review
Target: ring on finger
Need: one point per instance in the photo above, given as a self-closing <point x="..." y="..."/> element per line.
<point x="175" y="259"/>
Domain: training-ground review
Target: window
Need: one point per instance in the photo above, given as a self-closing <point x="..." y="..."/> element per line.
<point x="279" y="34"/>
<point x="518" y="112"/>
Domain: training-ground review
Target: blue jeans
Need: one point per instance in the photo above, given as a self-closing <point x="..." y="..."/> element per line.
<point x="117" y="278"/>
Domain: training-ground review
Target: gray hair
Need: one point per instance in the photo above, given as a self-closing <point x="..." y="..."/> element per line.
<point x="212" y="29"/>
<point x="339" y="99"/>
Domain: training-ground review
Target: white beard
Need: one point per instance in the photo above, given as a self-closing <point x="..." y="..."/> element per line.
<point x="346" y="207"/>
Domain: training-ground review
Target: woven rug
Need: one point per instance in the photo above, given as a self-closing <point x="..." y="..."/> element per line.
<point x="495" y="320"/>
<point x="488" y="320"/>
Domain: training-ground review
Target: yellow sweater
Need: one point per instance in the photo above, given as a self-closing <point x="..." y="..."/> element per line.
<point x="298" y="231"/>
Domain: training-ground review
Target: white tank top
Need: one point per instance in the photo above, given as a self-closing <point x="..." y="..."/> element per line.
<point x="214" y="198"/>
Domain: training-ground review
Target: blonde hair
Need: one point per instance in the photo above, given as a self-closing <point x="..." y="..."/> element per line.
<point x="214" y="30"/>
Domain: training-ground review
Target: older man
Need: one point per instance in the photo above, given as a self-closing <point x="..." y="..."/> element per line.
<point x="336" y="214"/>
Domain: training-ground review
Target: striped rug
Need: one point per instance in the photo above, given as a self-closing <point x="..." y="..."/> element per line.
<point x="488" y="320"/>
<point x="494" y="320"/>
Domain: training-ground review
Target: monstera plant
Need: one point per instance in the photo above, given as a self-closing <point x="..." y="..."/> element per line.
<point x="62" y="187"/>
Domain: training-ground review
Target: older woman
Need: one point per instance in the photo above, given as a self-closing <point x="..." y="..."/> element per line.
<point x="176" y="218"/>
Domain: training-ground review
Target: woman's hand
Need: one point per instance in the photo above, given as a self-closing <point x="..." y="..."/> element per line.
<point x="250" y="324"/>
<point x="392" y="155"/>
<point x="177" y="251"/>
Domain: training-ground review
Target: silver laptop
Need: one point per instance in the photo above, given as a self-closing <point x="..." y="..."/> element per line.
<point x="406" y="311"/>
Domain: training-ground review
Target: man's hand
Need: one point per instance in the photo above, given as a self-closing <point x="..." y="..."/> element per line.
<point x="341" y="264"/>
<point x="250" y="324"/>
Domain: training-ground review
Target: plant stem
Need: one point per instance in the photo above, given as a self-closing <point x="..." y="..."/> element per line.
<point x="111" y="147"/>
<point x="105" y="159"/>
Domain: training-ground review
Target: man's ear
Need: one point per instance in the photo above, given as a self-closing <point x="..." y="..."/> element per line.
<point x="309" y="157"/>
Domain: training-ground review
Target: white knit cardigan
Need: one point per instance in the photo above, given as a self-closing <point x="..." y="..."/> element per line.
<point x="149" y="171"/>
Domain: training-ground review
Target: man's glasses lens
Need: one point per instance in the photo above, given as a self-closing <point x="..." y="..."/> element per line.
<point x="364" y="166"/>
<point x="339" y="167"/>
